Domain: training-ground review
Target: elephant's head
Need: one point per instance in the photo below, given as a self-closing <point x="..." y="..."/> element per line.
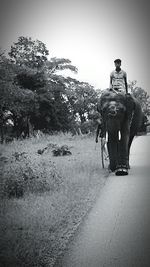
<point x="117" y="111"/>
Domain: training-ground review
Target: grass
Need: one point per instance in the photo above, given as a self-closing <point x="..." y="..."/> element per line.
<point x="44" y="198"/>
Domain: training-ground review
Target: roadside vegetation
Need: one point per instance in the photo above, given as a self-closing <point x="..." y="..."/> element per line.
<point x="45" y="197"/>
<point x="50" y="167"/>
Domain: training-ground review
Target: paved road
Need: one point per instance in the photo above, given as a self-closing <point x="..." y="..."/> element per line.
<point x="116" y="233"/>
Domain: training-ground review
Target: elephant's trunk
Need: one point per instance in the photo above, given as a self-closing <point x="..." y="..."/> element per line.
<point x="115" y="153"/>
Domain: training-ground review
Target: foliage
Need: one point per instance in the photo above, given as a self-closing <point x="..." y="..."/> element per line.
<point x="142" y="97"/>
<point x="29" y="53"/>
<point x="40" y="75"/>
<point x="24" y="172"/>
<point x="82" y="99"/>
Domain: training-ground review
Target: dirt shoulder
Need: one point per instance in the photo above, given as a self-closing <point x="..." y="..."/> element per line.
<point x="36" y="228"/>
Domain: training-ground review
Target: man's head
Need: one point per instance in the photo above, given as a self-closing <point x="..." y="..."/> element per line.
<point x="117" y="63"/>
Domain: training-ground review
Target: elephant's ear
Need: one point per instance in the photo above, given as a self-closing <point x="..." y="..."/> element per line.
<point x="130" y="105"/>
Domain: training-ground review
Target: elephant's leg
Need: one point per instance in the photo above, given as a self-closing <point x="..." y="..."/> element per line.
<point x="129" y="146"/>
<point x="130" y="142"/>
<point x="123" y="165"/>
<point x="123" y="152"/>
<point x="113" y="151"/>
<point x="123" y="157"/>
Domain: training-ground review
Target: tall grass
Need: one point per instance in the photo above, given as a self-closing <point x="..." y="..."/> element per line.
<point x="57" y="193"/>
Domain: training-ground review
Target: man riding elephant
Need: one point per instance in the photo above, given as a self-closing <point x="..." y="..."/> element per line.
<point x="122" y="116"/>
<point x="118" y="78"/>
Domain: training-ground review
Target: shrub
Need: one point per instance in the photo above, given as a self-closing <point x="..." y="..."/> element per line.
<point x="23" y="173"/>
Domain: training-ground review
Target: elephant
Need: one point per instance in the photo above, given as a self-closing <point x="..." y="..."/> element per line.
<point x="122" y="118"/>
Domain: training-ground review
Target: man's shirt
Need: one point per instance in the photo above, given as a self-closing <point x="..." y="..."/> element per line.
<point x="118" y="79"/>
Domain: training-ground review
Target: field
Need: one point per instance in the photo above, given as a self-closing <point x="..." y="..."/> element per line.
<point x="44" y="198"/>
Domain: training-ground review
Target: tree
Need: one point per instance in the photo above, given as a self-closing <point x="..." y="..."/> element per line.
<point x="7" y="87"/>
<point x="83" y="99"/>
<point x="39" y="89"/>
<point x="29" y="53"/>
<point x="59" y="64"/>
<point x="142" y="97"/>
<point x="42" y="76"/>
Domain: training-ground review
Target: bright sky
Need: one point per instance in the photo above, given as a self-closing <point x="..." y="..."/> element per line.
<point x="91" y="33"/>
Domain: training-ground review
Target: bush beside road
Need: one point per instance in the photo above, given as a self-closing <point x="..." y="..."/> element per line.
<point x="44" y="198"/>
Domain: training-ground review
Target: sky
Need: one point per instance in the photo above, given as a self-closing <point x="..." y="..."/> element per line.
<point x="91" y="33"/>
